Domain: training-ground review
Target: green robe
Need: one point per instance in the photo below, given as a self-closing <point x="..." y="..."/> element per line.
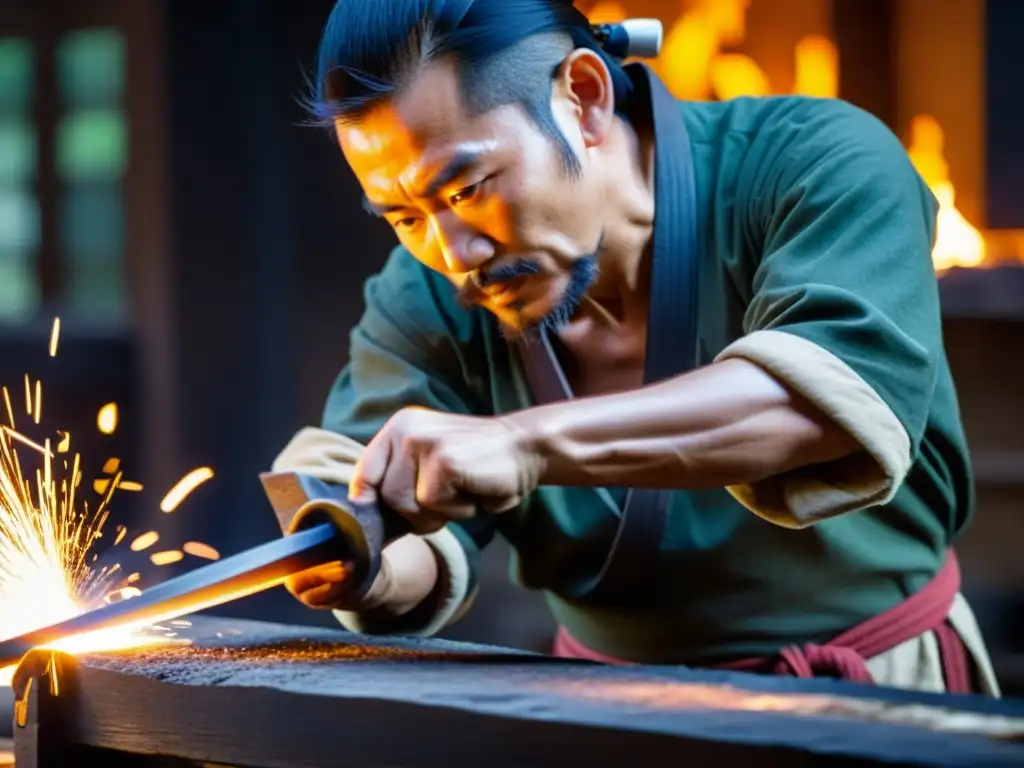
<point x="816" y="234"/>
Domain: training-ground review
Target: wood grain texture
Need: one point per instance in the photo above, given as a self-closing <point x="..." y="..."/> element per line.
<point x="268" y="696"/>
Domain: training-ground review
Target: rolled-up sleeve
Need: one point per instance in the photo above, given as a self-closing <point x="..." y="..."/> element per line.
<point x="844" y="304"/>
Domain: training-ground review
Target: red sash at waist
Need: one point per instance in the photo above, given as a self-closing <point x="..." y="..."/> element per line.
<point x="844" y="656"/>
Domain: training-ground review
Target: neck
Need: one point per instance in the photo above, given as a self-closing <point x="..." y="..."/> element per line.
<point x="622" y="288"/>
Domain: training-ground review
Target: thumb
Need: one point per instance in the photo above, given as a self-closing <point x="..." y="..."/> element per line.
<point x="368" y="473"/>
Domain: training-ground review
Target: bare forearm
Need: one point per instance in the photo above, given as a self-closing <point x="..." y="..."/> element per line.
<point x="726" y="424"/>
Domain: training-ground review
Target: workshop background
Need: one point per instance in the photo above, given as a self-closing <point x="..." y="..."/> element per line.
<point x="206" y="252"/>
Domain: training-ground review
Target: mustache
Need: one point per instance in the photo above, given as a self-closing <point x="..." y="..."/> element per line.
<point x="471" y="291"/>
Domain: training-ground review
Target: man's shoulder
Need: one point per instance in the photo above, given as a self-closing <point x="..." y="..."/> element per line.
<point x="760" y="148"/>
<point x="782" y="115"/>
<point x="779" y="121"/>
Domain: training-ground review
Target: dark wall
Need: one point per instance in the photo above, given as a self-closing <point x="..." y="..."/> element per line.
<point x="267" y="258"/>
<point x="1005" y="114"/>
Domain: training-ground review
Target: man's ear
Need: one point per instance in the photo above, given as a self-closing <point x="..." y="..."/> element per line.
<point x="584" y="84"/>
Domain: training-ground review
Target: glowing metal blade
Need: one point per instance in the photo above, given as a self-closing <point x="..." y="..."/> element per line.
<point x="247" y="573"/>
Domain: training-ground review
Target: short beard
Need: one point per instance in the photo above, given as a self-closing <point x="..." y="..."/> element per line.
<point x="582" y="274"/>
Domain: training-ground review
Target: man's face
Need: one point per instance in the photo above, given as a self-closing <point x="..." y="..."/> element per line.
<point x="483" y="200"/>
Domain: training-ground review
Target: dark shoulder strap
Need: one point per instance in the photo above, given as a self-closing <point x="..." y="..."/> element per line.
<point x="671" y="332"/>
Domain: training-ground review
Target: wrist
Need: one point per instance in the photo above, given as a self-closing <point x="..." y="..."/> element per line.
<point x="408" y="575"/>
<point x="539" y="443"/>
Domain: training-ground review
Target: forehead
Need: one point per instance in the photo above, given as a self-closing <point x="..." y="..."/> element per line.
<point x="425" y="125"/>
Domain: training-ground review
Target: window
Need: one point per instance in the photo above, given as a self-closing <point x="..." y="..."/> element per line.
<point x="72" y="227"/>
<point x="91" y="157"/>
<point x="19" y="208"/>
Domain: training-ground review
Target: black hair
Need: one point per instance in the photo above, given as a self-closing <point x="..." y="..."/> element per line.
<point x="507" y="51"/>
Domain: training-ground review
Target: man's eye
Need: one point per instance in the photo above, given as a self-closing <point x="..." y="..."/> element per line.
<point x="466" y="194"/>
<point x="406" y="223"/>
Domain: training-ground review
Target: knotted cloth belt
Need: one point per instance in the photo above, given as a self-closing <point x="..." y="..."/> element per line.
<point x="845" y="656"/>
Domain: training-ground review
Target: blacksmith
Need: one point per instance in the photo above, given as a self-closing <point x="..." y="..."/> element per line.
<point x="686" y="358"/>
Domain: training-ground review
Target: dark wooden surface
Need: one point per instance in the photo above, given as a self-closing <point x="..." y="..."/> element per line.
<point x="270" y="696"/>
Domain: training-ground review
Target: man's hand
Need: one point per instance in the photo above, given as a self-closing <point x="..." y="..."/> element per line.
<point x="408" y="573"/>
<point x="433" y="467"/>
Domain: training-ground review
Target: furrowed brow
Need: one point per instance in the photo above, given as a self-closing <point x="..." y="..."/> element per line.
<point x="460" y="164"/>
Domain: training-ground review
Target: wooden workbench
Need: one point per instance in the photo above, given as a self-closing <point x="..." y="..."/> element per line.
<point x="270" y="696"/>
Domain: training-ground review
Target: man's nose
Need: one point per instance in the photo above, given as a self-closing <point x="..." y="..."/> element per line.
<point x="463" y="247"/>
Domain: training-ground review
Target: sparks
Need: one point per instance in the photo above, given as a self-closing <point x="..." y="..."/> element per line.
<point x="166" y="558"/>
<point x="46" y="574"/>
<point x="184" y="487"/>
<point x="198" y="549"/>
<point x="49" y="571"/>
<point x="144" y="541"/>
<point x="54" y="337"/>
<point x="106" y="420"/>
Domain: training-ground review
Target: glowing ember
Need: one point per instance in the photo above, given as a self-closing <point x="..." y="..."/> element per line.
<point x="166" y="558"/>
<point x="54" y="336"/>
<point x="145" y="541"/>
<point x="111" y="466"/>
<point x="101" y="485"/>
<point x="205" y="551"/>
<point x="124" y="593"/>
<point x="129" y="485"/>
<point x="106" y="420"/>
<point x="184" y="487"/>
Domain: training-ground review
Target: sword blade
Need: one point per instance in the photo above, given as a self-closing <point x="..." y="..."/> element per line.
<point x="246" y="573"/>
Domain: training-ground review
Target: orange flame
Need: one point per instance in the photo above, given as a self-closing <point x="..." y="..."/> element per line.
<point x="606" y="12"/>
<point x="695" y="65"/>
<point x="957" y="242"/>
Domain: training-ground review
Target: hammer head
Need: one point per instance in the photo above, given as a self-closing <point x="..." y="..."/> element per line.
<point x="301" y="501"/>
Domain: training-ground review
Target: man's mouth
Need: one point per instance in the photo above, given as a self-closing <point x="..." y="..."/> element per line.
<point x="500" y="286"/>
<point x="507" y="273"/>
<point x="505" y="293"/>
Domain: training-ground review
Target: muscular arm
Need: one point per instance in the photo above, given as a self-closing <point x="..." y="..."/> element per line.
<point x="730" y="423"/>
<point x="820" y="407"/>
